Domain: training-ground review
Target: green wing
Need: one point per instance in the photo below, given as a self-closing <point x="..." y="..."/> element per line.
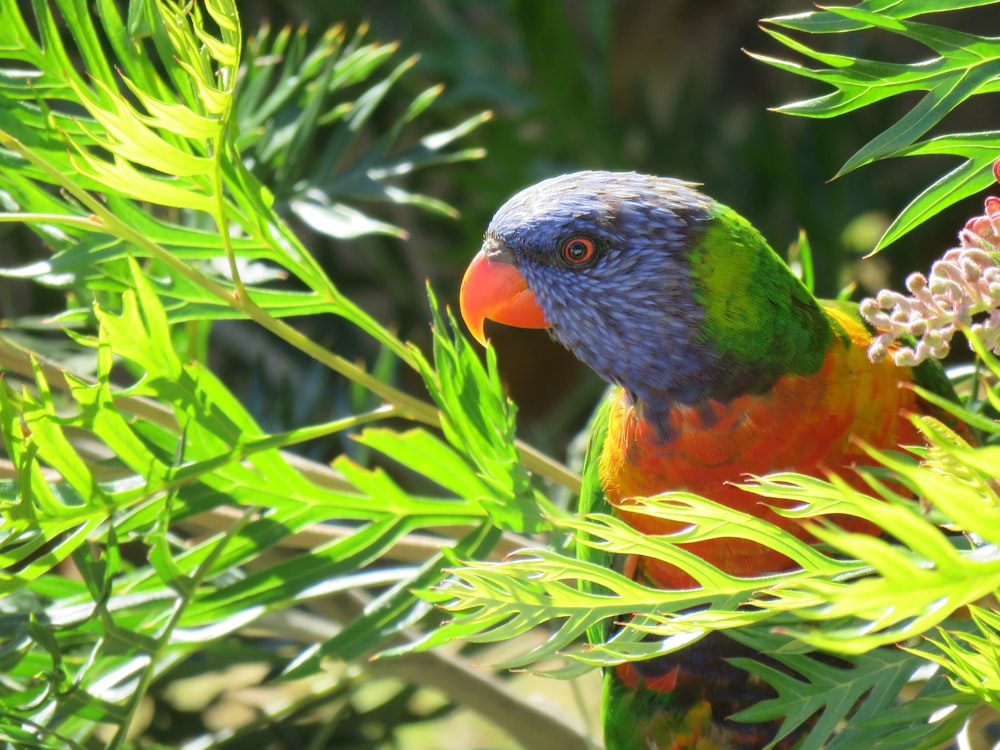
<point x="592" y="499"/>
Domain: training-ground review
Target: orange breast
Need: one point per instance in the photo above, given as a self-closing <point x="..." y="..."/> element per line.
<point x="805" y="424"/>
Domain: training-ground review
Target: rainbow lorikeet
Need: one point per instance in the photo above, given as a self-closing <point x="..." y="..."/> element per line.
<point x="725" y="365"/>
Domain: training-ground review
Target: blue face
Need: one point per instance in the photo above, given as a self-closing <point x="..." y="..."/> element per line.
<point x="608" y="256"/>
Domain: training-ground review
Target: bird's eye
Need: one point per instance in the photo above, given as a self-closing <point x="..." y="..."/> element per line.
<point x="578" y="250"/>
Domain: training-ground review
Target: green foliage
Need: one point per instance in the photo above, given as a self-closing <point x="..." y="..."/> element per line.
<point x="151" y="525"/>
<point x="862" y="687"/>
<point x="139" y="171"/>
<point x="965" y="65"/>
<point x="290" y="97"/>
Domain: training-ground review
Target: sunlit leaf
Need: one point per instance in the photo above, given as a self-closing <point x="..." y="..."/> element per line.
<point x="964" y="65"/>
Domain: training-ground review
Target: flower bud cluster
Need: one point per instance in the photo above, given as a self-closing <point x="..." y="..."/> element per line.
<point x="962" y="292"/>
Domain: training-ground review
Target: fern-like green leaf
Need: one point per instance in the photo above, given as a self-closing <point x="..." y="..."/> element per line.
<point x="964" y="65"/>
<point x="826" y="691"/>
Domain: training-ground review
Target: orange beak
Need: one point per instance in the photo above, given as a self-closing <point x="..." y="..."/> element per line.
<point x="496" y="290"/>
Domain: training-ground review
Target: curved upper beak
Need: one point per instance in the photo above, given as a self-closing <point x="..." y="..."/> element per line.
<point x="493" y="288"/>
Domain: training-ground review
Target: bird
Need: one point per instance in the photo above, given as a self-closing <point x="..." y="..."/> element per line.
<point x="722" y="364"/>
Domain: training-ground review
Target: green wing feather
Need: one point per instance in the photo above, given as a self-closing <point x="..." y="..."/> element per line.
<point x="592" y="499"/>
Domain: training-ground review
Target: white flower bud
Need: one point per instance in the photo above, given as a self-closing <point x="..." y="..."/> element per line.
<point x="877" y="349"/>
<point x="915" y="282"/>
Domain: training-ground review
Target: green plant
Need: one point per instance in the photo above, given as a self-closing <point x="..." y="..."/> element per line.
<point x="146" y="514"/>
<point x="152" y="528"/>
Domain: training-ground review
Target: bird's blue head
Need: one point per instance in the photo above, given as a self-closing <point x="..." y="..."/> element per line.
<point x="622" y="267"/>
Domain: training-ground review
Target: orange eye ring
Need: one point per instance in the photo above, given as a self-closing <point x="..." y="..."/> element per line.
<point x="578" y="250"/>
